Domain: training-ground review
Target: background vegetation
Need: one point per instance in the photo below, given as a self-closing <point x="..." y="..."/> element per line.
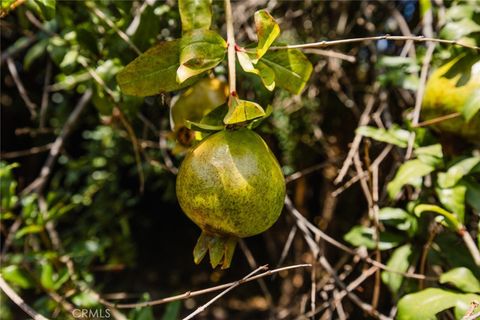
<point x="88" y="207"/>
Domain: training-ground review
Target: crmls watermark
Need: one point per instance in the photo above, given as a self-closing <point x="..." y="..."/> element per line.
<point x="91" y="313"/>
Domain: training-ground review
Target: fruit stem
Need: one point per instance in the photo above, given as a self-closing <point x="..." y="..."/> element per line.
<point x="231" y="50"/>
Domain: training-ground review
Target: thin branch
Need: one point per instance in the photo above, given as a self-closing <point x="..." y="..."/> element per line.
<point x="39" y="183"/>
<point x="355" y="299"/>
<point x="21" y="89"/>
<point x="332" y="54"/>
<point x="364" y="119"/>
<point x="306" y="226"/>
<point x="27" y="152"/>
<point x="112" y="25"/>
<point x="437" y="120"/>
<point x="19" y="301"/>
<point x="471" y="246"/>
<point x="419" y="97"/>
<point x="190" y="294"/>
<point x="233" y="286"/>
<point x="44" y="103"/>
<point x="324" y="44"/>
<point x="231" y="48"/>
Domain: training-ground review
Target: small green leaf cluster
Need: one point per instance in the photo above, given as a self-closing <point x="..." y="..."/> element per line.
<point x="177" y="64"/>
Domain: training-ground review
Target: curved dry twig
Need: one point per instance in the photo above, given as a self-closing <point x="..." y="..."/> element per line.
<point x="190" y="294"/>
<point x="19" y="301"/>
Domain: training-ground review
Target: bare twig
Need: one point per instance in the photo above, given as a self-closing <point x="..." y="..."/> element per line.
<point x="27" y="152"/>
<point x="32" y="107"/>
<point x="332" y="54"/>
<point x="437" y="120"/>
<point x="355" y="299"/>
<point x="39" y="183"/>
<point x="221" y="294"/>
<point x="136" y="146"/>
<point x="364" y="119"/>
<point x="471" y="246"/>
<point x="190" y="294"/>
<point x="231" y="48"/>
<point x="324" y="44"/>
<point x="112" y="25"/>
<point x="253" y="264"/>
<point x="44" y="104"/>
<point x="304" y="224"/>
<point x="428" y="30"/>
<point x="19" y="301"/>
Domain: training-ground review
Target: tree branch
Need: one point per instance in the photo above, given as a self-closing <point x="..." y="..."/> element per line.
<point x="231" y="48"/>
<point x="324" y="44"/>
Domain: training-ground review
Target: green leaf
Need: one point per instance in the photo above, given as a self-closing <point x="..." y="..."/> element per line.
<point x="28" y="230"/>
<point x="265" y="73"/>
<point x="267" y="31"/>
<point x="453" y="199"/>
<point x="363" y="236"/>
<point x="14" y="274"/>
<point x="456" y="30"/>
<point x="195" y="14"/>
<point x="291" y="67"/>
<point x="399" y="261"/>
<point x="172" y="311"/>
<point x="410" y="172"/>
<point x="46" y="275"/>
<point x="462" y="278"/>
<point x="398" y="218"/>
<point x="394" y="135"/>
<point x="457" y="171"/>
<point x="448" y="217"/>
<point x="8" y="187"/>
<point x="200" y="50"/>
<point x="202" y="127"/>
<point x="431" y="155"/>
<point x="242" y="111"/>
<point x="153" y="72"/>
<point x="425" y="304"/>
<point x="44" y="8"/>
<point x="458" y="12"/>
<point x="35" y="52"/>
<point x="471" y="106"/>
<point x="473" y="194"/>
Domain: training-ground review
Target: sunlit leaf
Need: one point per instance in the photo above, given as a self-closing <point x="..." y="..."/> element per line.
<point x="448" y="217"/>
<point x="17" y="276"/>
<point x="364" y="236"/>
<point x="265" y="73"/>
<point x="399" y="261"/>
<point x="202" y="127"/>
<point x="456" y="30"/>
<point x="398" y="218"/>
<point x="195" y="14"/>
<point x="46" y="9"/>
<point x="462" y="278"/>
<point x="200" y="50"/>
<point x="453" y="199"/>
<point x="472" y="105"/>
<point x="394" y="135"/>
<point x="457" y="171"/>
<point x="242" y="110"/>
<point x="410" y="172"/>
<point x="291" y="67"/>
<point x="153" y="72"/>
<point x="425" y="304"/>
<point x="267" y="31"/>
